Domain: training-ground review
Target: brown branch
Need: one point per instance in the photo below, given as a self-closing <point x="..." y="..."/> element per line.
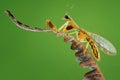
<point x="83" y="56"/>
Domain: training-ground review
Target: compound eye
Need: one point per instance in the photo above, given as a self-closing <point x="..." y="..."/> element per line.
<point x="66" y="17"/>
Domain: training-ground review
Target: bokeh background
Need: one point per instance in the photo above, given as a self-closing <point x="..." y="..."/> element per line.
<point x="26" y="55"/>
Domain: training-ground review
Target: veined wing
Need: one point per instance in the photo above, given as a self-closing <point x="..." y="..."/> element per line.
<point x="103" y="44"/>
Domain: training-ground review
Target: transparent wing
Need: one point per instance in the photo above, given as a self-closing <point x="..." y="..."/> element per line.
<point x="103" y="44"/>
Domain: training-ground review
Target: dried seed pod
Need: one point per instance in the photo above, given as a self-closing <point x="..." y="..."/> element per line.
<point x="93" y="75"/>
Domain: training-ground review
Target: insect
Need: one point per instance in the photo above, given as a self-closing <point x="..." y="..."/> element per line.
<point x="94" y="40"/>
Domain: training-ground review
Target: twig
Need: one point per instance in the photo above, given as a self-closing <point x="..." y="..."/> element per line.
<point x="83" y="56"/>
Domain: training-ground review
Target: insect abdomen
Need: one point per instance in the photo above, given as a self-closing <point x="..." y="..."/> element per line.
<point x="94" y="48"/>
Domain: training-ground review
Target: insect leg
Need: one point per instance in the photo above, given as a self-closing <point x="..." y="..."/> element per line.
<point x="63" y="26"/>
<point x="87" y="45"/>
<point x="51" y="25"/>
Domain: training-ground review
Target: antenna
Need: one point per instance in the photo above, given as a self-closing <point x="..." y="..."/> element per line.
<point x="68" y="8"/>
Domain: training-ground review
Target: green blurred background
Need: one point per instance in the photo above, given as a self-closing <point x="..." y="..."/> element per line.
<point x="26" y="55"/>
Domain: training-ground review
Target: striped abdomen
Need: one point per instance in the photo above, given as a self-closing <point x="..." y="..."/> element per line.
<point x="94" y="47"/>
